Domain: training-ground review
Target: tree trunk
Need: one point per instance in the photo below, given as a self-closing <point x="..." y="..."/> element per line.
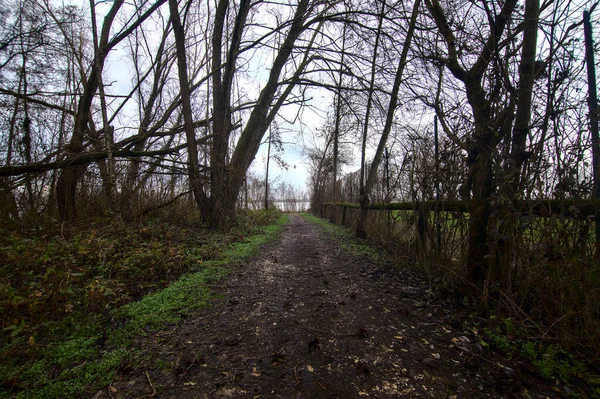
<point x="9" y="211"/>
<point x="478" y="189"/>
<point x="109" y="179"/>
<point x="527" y="72"/>
<point x="267" y="174"/>
<point x="66" y="186"/>
<point x="66" y="191"/>
<point x="481" y="177"/>
<point x="363" y="197"/>
<point x="216" y="211"/>
<point x="195" y="179"/>
<point x="508" y="224"/>
<point x="593" y="107"/>
<point x="336" y="131"/>
<point x="372" y="176"/>
<point x="479" y="185"/>
<point x="224" y="191"/>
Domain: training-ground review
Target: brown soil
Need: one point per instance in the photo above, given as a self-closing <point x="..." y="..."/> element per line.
<point x="306" y="319"/>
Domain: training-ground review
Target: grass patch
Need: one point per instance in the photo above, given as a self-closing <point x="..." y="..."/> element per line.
<point x="70" y="309"/>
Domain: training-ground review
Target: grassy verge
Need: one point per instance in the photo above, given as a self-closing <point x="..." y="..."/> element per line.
<point x="72" y="308"/>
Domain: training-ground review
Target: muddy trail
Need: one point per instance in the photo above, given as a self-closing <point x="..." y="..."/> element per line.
<point x="306" y="319"/>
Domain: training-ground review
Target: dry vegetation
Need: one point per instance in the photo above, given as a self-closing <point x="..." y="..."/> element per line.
<point x="70" y="306"/>
<point x="548" y="313"/>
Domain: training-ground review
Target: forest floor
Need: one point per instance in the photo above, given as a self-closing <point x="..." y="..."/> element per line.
<point x="308" y="318"/>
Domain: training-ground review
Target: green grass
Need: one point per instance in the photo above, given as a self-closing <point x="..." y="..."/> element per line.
<point x="85" y="354"/>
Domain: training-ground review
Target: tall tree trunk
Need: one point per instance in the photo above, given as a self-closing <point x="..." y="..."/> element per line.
<point x="527" y="70"/>
<point x="267" y="174"/>
<point x="514" y="178"/>
<point x="372" y="176"/>
<point x="363" y="197"/>
<point x="67" y="182"/>
<point x="66" y="185"/>
<point x="370" y="99"/>
<point x="224" y="192"/>
<point x="336" y="131"/>
<point x="195" y="179"/>
<point x="593" y="107"/>
<point x="109" y="180"/>
<point x="221" y="210"/>
<point x="479" y="185"/>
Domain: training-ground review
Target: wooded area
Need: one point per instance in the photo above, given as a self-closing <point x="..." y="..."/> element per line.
<point x="116" y="109"/>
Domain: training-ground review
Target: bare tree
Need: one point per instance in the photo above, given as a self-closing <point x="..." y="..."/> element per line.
<point x="227" y="173"/>
<point x="393" y="103"/>
<point x="69" y="177"/>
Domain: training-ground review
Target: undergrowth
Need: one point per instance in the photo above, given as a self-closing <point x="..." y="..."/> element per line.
<point x="70" y="308"/>
<point x="549" y="360"/>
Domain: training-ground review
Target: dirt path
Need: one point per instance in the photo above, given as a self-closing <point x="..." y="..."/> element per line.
<point x="307" y="320"/>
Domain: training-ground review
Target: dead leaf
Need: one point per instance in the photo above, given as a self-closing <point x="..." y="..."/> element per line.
<point x="436" y="355"/>
<point x="385" y="348"/>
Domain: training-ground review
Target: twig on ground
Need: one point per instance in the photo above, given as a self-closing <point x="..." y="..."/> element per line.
<point x="110" y="387"/>
<point x="568" y="314"/>
<point x="151" y="385"/>
<point x="296" y="373"/>
<point x="153" y="394"/>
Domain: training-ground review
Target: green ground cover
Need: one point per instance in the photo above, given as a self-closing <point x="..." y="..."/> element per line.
<point x="71" y="308"/>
